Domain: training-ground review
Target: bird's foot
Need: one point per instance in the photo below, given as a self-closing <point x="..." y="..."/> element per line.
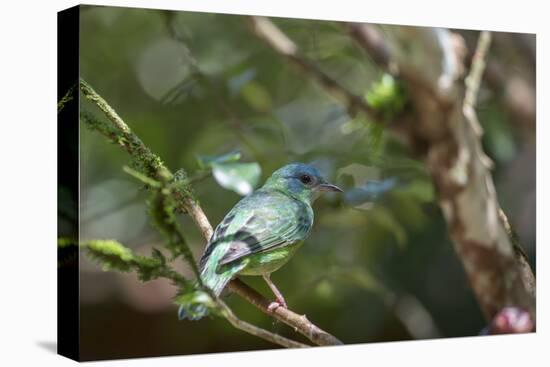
<point x="276" y="304"/>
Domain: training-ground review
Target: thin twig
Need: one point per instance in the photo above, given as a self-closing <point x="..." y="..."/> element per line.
<point x="299" y="323"/>
<point x="254" y="330"/>
<point x="473" y="80"/>
<point x="266" y="30"/>
<point x="186" y="203"/>
<point x="372" y="41"/>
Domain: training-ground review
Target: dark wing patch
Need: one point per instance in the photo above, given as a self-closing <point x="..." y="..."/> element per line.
<point x="241" y="245"/>
<point x="265" y="239"/>
<point x="206" y="254"/>
<point x="219" y="232"/>
<point x="222" y="227"/>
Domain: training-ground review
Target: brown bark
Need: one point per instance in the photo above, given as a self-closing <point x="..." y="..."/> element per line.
<point x="446" y="132"/>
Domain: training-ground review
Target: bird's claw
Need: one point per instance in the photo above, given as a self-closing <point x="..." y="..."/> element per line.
<point x="275" y="305"/>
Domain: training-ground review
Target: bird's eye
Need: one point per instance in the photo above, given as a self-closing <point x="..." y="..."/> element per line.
<point x="306" y="179"/>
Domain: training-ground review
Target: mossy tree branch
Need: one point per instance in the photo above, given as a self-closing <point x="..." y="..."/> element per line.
<point x="112" y="255"/>
<point x="146" y="163"/>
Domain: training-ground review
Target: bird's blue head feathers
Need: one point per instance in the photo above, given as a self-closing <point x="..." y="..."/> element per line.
<point x="300" y="180"/>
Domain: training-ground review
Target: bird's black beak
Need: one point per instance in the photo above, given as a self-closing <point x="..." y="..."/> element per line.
<point x="329" y="187"/>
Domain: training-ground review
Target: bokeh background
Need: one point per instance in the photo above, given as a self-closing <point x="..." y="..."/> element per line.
<point x="378" y="265"/>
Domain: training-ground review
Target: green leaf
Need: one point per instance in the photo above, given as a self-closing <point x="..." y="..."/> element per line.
<point x="239" y="177"/>
<point x="387" y="96"/>
<point x="206" y="161"/>
<point x="256" y="96"/>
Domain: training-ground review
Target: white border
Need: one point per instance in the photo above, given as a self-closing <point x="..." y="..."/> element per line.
<point x="28" y="151"/>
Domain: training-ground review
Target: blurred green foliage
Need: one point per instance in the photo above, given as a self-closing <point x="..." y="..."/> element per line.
<point x="198" y="88"/>
<point x="387" y="96"/>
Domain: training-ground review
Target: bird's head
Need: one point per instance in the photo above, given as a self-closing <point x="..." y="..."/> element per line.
<point x="302" y="181"/>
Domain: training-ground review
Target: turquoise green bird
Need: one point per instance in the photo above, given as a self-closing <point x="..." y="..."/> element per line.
<point x="262" y="232"/>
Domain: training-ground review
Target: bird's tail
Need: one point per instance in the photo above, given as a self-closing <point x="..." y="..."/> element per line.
<point x="192" y="312"/>
<point x="213" y="280"/>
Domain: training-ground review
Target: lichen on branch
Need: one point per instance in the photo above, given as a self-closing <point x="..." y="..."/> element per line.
<point x="173" y="193"/>
<point x="112" y="255"/>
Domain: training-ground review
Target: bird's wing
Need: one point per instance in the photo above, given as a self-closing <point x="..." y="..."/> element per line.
<point x="261" y="222"/>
